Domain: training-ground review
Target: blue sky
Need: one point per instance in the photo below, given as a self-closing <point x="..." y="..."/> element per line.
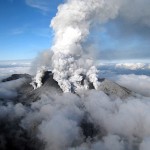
<point x="25" y="31"/>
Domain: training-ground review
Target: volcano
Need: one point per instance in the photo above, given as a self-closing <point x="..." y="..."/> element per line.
<point x="26" y="93"/>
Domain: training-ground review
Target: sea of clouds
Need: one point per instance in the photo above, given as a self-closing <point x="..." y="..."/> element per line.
<point x="14" y="66"/>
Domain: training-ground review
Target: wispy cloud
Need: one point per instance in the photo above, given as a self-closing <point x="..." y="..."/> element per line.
<point x="17" y="31"/>
<point x="43" y="5"/>
<point x="44" y="32"/>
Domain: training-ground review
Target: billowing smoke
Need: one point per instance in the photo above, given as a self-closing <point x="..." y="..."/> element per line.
<point x="72" y="25"/>
<point x="37" y="80"/>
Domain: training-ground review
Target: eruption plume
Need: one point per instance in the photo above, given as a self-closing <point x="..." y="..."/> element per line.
<point x="72" y="25"/>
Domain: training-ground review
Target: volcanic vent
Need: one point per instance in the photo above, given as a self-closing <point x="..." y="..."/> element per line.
<point x="28" y="94"/>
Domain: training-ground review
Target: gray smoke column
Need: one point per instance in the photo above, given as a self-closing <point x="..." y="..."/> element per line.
<point x="72" y="25"/>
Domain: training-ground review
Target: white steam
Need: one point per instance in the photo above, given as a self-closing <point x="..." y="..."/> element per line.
<point x="37" y="80"/>
<point x="72" y="26"/>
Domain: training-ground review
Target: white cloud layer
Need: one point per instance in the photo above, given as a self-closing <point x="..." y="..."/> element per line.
<point x="8" y="90"/>
<point x="136" y="83"/>
<point x="43" y="5"/>
<point x="14" y="66"/>
<point x="56" y="118"/>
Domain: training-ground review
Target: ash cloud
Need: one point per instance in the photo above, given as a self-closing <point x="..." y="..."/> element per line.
<point x="140" y="14"/>
<point x="43" y="59"/>
<point x="73" y="25"/>
<point x="70" y="34"/>
<point x="127" y="35"/>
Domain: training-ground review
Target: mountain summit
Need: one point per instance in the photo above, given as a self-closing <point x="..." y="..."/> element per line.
<point x="27" y="94"/>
